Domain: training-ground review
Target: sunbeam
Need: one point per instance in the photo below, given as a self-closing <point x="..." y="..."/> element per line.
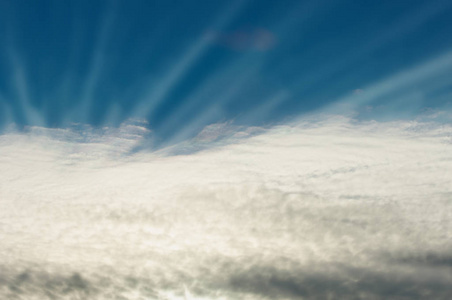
<point x="181" y="80"/>
<point x="209" y="111"/>
<point x="400" y="83"/>
<point x="96" y="65"/>
<point x="24" y="106"/>
<point x="160" y="90"/>
<point x="404" y="26"/>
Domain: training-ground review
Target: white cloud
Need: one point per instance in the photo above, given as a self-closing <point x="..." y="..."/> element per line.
<point x="324" y="207"/>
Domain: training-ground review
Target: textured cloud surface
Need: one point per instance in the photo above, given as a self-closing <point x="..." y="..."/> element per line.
<point x="320" y="209"/>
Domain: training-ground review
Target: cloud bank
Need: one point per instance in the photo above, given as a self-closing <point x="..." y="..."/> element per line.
<point x="324" y="208"/>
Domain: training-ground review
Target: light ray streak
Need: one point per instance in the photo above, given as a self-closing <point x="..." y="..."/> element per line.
<point x="403" y="80"/>
<point x="30" y="114"/>
<point x="66" y="87"/>
<point x="267" y="107"/>
<point x="158" y="93"/>
<point x="98" y="61"/>
<point x="5" y="112"/>
<point x="116" y="113"/>
<point x="212" y="94"/>
<point x="402" y="27"/>
<point x="113" y="113"/>
<point x="213" y="112"/>
<point x="212" y="109"/>
<point x="302" y="13"/>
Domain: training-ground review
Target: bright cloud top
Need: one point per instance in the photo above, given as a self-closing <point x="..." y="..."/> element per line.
<point x="316" y="209"/>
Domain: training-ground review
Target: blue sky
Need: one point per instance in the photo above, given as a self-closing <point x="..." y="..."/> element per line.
<point x="182" y="65"/>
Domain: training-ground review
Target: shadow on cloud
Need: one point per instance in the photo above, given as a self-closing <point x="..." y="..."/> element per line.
<point x="277" y="278"/>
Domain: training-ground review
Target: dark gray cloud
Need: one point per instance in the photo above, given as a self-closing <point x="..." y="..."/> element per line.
<point x="249" y="277"/>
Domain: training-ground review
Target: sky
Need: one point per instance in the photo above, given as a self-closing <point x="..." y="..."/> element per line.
<point x="183" y="65"/>
<point x="225" y="149"/>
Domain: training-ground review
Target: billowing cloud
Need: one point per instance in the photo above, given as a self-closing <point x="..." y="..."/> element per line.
<point x="318" y="209"/>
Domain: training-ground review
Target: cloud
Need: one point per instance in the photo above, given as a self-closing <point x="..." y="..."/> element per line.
<point x="254" y="39"/>
<point x="324" y="207"/>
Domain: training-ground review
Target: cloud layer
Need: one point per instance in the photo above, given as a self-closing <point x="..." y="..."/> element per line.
<point x="321" y="208"/>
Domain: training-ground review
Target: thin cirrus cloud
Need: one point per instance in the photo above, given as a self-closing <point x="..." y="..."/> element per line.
<point x="255" y="39"/>
<point x="323" y="207"/>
